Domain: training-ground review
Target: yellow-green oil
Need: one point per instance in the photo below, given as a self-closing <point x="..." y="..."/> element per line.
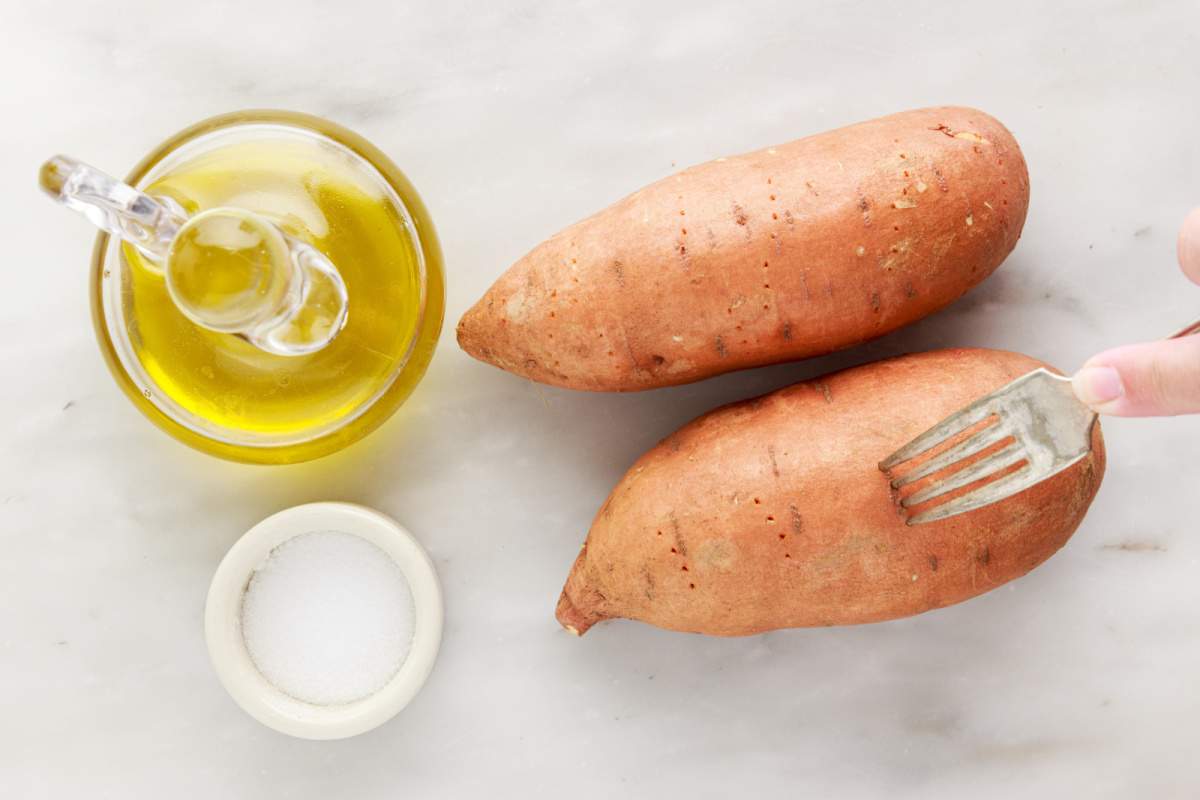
<point x="279" y="408"/>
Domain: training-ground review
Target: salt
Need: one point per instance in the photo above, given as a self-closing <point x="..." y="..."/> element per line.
<point x="328" y="618"/>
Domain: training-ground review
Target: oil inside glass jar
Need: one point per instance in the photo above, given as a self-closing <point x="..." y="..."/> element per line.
<point x="321" y="195"/>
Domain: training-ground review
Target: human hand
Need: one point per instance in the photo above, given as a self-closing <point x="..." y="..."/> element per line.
<point x="1154" y="378"/>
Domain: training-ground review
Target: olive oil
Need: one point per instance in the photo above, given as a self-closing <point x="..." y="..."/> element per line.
<point x="321" y="195"/>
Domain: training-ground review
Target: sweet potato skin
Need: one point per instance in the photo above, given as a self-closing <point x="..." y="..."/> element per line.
<point x="784" y="253"/>
<point x="772" y="513"/>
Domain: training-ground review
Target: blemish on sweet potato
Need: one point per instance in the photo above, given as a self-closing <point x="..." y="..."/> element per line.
<point x="618" y="270"/>
<point x="739" y="215"/>
<point x="679" y="543"/>
<point x="648" y="581"/>
<point x="941" y="179"/>
<point x="774" y="463"/>
<point x="797" y="520"/>
<point x="720" y="345"/>
<point x="864" y="207"/>
<point x="933" y="563"/>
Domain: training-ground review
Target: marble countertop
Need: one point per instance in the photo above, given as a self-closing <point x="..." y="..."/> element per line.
<point x="514" y="119"/>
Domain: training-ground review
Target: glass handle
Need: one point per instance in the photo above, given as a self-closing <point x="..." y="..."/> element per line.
<point x="227" y="269"/>
<point x="146" y="223"/>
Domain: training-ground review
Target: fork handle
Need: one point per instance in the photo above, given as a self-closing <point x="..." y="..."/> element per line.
<point x="1188" y="331"/>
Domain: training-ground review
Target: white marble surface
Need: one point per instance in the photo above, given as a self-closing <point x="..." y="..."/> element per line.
<point x="1080" y="680"/>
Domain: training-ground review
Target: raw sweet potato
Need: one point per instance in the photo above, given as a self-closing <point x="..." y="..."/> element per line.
<point x="773" y="513"/>
<point x="784" y="253"/>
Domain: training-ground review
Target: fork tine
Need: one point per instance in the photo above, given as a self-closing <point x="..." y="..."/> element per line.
<point x="1010" y="484"/>
<point x="964" y="449"/>
<point x="951" y="425"/>
<point x="1005" y="457"/>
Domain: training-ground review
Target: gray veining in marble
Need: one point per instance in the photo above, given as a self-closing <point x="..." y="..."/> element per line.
<point x="514" y="119"/>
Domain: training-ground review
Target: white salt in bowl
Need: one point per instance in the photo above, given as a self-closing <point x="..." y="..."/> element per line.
<point x="231" y="658"/>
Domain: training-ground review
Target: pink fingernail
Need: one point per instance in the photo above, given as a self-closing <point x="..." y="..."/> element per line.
<point x="1098" y="386"/>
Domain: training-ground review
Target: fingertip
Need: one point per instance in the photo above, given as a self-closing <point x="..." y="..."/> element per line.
<point x="1188" y="247"/>
<point x="1156" y="379"/>
<point x="1098" y="387"/>
<point x="1097" y="360"/>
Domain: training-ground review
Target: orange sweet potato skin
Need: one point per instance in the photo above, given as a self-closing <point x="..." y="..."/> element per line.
<point x="779" y="254"/>
<point x="772" y="513"/>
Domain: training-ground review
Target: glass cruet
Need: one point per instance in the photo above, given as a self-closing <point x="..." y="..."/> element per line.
<point x="267" y="286"/>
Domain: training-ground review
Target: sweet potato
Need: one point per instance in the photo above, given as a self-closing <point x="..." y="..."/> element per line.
<point x="773" y="513"/>
<point x="780" y="254"/>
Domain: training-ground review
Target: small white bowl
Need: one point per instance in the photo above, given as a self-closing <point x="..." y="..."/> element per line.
<point x="227" y="648"/>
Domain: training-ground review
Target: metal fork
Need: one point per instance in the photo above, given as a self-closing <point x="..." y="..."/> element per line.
<point x="1029" y="430"/>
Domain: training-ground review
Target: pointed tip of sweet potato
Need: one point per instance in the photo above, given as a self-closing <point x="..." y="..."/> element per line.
<point x="469" y="334"/>
<point x="478" y="335"/>
<point x="574" y="619"/>
<point x="579" y="604"/>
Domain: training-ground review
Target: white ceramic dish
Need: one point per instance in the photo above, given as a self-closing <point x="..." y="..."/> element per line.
<point x="227" y="648"/>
